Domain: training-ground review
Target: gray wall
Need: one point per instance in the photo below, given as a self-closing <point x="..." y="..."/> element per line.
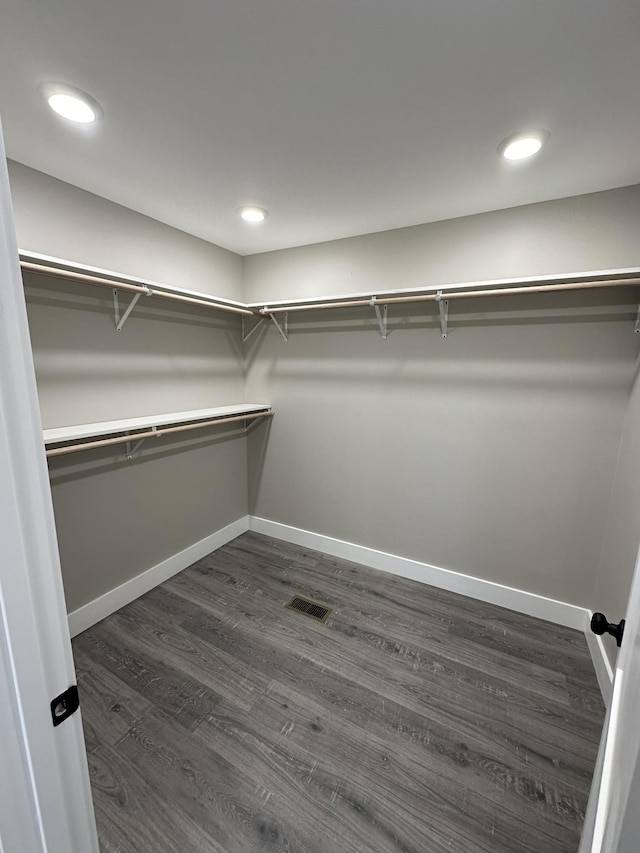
<point x="622" y="533"/>
<point x="56" y="219"/>
<point x="589" y="232"/>
<point x="115" y="519"/>
<point x="491" y="453"/>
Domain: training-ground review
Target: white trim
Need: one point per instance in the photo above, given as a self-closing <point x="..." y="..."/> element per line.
<point x="79" y="431"/>
<point x="497" y="283"/>
<point x="609" y="769"/>
<point x="601" y="663"/>
<point x="87" y="615"/>
<point x="74" y="266"/>
<point x="559" y="612"/>
<point x="529" y="603"/>
<point x="45" y="795"/>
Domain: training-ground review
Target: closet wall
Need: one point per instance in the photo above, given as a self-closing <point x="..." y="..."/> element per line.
<point x="116" y="519"/>
<point x="622" y="533"/>
<point x="493" y="452"/>
<point x="589" y="232"/>
<point x="57" y="219"/>
<point x="508" y="451"/>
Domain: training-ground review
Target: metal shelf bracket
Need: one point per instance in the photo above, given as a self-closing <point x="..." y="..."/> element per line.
<point x="382" y="317"/>
<point x="120" y="321"/>
<point x="443" y="307"/>
<point x="246" y="335"/>
<point x="284" y="329"/>
<point x="131" y="451"/>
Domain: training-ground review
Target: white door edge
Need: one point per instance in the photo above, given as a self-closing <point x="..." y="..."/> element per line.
<point x="49" y="807"/>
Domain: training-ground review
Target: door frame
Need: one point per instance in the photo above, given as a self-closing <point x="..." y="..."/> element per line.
<point x="45" y="795"/>
<point x="610" y="824"/>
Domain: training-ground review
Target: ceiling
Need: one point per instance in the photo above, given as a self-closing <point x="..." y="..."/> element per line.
<point x="341" y="117"/>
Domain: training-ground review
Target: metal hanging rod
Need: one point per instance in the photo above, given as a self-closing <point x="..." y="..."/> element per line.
<point x="152" y="433"/>
<point x="577" y="281"/>
<point x="101" y="281"/>
<point x="453" y="294"/>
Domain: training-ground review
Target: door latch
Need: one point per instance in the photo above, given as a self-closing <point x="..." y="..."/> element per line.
<point x="601" y="625"/>
<point x="65" y="705"/>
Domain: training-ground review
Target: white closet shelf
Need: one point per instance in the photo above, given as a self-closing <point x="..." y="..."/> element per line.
<point x="76" y="433"/>
<point x="469" y="289"/>
<point x="60" y="268"/>
<point x="78" y="437"/>
<point x="380" y="300"/>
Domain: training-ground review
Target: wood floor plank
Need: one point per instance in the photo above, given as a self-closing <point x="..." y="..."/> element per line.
<point x="335" y="804"/>
<point x="396" y="642"/>
<point x="341" y="763"/>
<point x="133" y="813"/>
<point x="413" y="720"/>
<point x="223" y="797"/>
<point x="109" y="706"/>
<point x="455" y="715"/>
<point x="189" y="700"/>
<point x="427" y="616"/>
<point x="277" y="648"/>
<point x="186" y="654"/>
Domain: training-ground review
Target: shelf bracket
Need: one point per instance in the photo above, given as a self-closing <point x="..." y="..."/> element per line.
<point x="120" y="321"/>
<point x="283" y="330"/>
<point x="381" y="317"/>
<point x="247" y="335"/>
<point x="131" y="451"/>
<point x="637" y="327"/>
<point x="443" y="307"/>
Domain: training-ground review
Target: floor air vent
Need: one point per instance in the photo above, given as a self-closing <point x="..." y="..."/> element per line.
<point x="309" y="608"/>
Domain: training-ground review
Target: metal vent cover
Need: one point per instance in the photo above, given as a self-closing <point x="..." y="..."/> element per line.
<point x="309" y="608"/>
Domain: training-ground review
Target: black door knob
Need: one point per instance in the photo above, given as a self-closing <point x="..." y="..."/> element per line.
<point x="601" y="625"/>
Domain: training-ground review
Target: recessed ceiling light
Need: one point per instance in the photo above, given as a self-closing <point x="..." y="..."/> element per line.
<point x="71" y="103"/>
<point x="253" y="214"/>
<point x="523" y="145"/>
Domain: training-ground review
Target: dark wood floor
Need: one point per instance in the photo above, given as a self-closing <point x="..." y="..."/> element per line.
<point x="413" y="720"/>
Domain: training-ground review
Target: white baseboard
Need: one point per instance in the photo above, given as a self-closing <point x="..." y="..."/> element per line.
<point x="87" y="615"/>
<point x="601" y="663"/>
<point x="529" y="603"/>
<point x="559" y="612"/>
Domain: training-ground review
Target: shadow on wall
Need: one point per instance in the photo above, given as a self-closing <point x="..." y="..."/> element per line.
<point x="589" y="306"/>
<point x="88" y="463"/>
<point x="256" y="453"/>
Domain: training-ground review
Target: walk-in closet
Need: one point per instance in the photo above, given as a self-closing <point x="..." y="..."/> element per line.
<point x="441" y="466"/>
<point x="321" y="502"/>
